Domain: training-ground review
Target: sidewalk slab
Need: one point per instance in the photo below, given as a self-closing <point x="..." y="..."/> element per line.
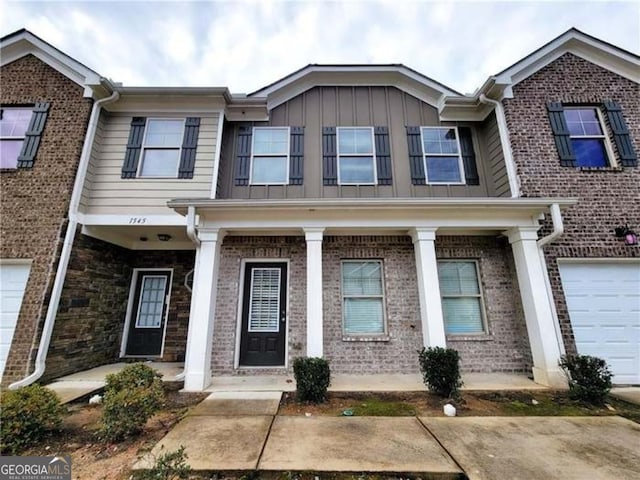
<point x="356" y="444"/>
<point x="628" y="394"/>
<point x="541" y="448"/>
<point x="214" y="442"/>
<point x="226" y="407"/>
<point x="68" y="391"/>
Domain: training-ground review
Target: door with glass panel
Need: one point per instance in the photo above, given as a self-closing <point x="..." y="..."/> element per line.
<point x="264" y="314"/>
<point x="148" y="313"/>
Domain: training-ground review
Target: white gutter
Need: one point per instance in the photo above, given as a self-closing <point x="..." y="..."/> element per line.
<point x="193" y="236"/>
<point x="514" y="184"/>
<point x="558" y="229"/>
<point x="65" y="254"/>
<point x="558" y="226"/>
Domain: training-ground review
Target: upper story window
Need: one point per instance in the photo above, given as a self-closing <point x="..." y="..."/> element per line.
<point x="583" y="139"/>
<point x="13" y="127"/>
<point x="587" y="135"/>
<point x="270" y="156"/>
<point x="442" y="159"/>
<point x="161" y="148"/>
<point x="462" y="304"/>
<point x="356" y="154"/>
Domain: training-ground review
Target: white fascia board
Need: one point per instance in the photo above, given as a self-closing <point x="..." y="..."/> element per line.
<point x="135" y="219"/>
<point x="25" y="43"/>
<point x="606" y="56"/>
<point x="401" y="77"/>
<point x="468" y="213"/>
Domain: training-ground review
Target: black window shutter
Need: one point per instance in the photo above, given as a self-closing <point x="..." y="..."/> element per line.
<point x="416" y="159"/>
<point x="383" y="155"/>
<point x="621" y="135"/>
<point x="27" y="156"/>
<point x="134" y="146"/>
<point x="243" y="155"/>
<point x="561" y="134"/>
<point x="296" y="156"/>
<point x="189" y="145"/>
<point x="329" y="156"/>
<point x="468" y="156"/>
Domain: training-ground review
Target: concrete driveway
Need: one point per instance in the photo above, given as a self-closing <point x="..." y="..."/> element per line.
<point x="245" y="434"/>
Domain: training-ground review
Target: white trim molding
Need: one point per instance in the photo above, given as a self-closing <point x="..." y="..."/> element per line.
<point x="536" y="303"/>
<point x="315" y="340"/>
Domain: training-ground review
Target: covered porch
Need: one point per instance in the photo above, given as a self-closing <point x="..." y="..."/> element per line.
<point x="315" y="222"/>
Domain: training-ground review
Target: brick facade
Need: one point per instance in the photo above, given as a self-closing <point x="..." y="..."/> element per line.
<point x="504" y="348"/>
<point x="91" y="317"/>
<point x="34" y="201"/>
<point x="607" y="197"/>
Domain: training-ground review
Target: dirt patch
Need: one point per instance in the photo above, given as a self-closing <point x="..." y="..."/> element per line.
<point x="534" y="403"/>
<point x="95" y="460"/>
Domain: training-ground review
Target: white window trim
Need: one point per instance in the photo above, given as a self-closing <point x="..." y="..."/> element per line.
<point x="288" y="155"/>
<point x="425" y="155"/>
<point x="373" y="155"/>
<point x="385" y="331"/>
<point x="15" y="138"/>
<point x="277" y="329"/>
<point x="483" y="313"/>
<point x="129" y="313"/>
<point x="144" y="147"/>
<point x="608" y="148"/>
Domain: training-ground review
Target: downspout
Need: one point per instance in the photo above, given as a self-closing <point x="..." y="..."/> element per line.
<point x="65" y="254"/>
<point x="514" y="185"/>
<point x="193" y="236"/>
<point x="558" y="229"/>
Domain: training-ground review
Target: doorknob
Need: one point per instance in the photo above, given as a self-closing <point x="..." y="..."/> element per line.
<point x="283" y="316"/>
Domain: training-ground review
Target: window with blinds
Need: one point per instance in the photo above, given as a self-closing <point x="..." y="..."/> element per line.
<point x="461" y="296"/>
<point x="264" y="304"/>
<point x="362" y="298"/>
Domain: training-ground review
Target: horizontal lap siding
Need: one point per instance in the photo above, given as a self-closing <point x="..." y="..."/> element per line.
<point x="495" y="158"/>
<point x="110" y="194"/>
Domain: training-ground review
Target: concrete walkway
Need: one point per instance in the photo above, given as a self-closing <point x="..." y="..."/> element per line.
<point x="628" y="394"/>
<point x="241" y="431"/>
<point x="78" y="385"/>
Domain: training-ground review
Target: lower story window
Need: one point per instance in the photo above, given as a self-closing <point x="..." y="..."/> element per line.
<point x="362" y="298"/>
<point x="461" y="296"/>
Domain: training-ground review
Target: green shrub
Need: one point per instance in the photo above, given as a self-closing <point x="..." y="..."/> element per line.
<point x="441" y="370"/>
<point x="168" y="466"/>
<point x="313" y="377"/>
<point x="131" y="397"/>
<point x="589" y="378"/>
<point x="26" y="416"/>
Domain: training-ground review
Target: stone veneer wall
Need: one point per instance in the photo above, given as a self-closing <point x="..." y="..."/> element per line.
<point x="504" y="348"/>
<point x="34" y="201"/>
<point x="91" y="316"/>
<point x="607" y="196"/>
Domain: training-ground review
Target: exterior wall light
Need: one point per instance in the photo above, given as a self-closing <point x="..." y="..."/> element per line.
<point x="164" y="237"/>
<point x="630" y="237"/>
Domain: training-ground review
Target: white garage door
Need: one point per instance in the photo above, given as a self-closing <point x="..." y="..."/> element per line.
<point x="604" y="307"/>
<point x="13" y="279"/>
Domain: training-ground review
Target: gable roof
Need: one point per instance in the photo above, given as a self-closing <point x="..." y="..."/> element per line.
<point x="313" y="75"/>
<point x="22" y="43"/>
<point x="592" y="49"/>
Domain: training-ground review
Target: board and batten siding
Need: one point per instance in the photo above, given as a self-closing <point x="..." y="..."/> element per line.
<point x="321" y="107"/>
<point x="107" y="193"/>
<point x="497" y="169"/>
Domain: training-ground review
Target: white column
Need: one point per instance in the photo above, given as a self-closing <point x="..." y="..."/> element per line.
<point x="313" y="236"/>
<point x="424" y="240"/>
<point x="537" y="306"/>
<point x="197" y="366"/>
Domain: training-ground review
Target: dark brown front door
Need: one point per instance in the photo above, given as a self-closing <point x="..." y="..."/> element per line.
<point x="148" y="312"/>
<point x="264" y="314"/>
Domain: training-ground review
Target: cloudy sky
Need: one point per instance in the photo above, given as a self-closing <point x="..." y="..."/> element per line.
<point x="245" y="45"/>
